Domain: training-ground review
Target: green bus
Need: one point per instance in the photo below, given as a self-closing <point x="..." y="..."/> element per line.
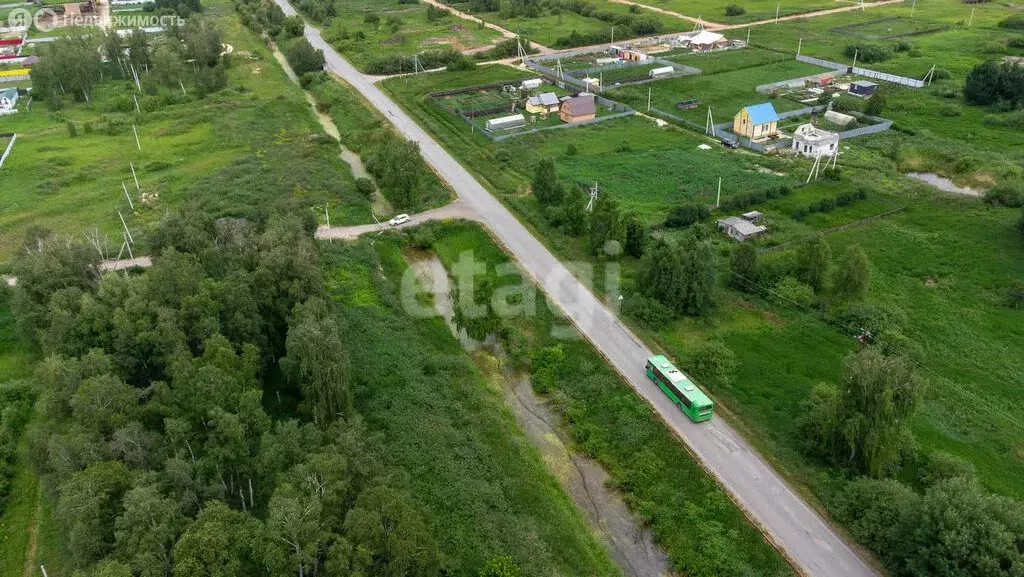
<point x="691" y="400"/>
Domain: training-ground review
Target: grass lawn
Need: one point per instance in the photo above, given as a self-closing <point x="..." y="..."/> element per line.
<point x="363" y="42"/>
<point x="946" y="263"/>
<point x="728" y="60"/>
<point x="548" y="27"/>
<point x="726" y="93"/>
<point x="956" y="50"/>
<point x="234" y="152"/>
<point x="714" y="10"/>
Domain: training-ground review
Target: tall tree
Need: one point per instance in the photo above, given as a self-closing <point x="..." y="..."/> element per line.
<point x="853" y="275"/>
<point x="867" y="419"/>
<point x="545" y="182"/>
<point x="636" y="236"/>
<point x="605" y="224"/>
<point x="681" y="276"/>
<point x="813" y="259"/>
<point x="317" y="361"/>
<point x="743" y="266"/>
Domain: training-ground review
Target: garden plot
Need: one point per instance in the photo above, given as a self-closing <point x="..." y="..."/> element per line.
<point x="726" y="93"/>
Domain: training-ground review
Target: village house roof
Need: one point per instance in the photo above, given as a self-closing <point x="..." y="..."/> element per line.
<point x="762" y="113"/>
<point x="544" y="99"/>
<point x="581" y="105"/>
<point x="813" y="135"/>
<point x="864" y="83"/>
<point x="741" y="225"/>
<point x="9" y="93"/>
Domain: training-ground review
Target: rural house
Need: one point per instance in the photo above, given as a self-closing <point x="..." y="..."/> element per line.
<point x="740" y="228"/>
<point x="578" y="109"/>
<point x="544" y="103"/>
<point x="813" y="142"/>
<point x="8" y="99"/>
<point x="863" y="88"/>
<point x="758" y="122"/>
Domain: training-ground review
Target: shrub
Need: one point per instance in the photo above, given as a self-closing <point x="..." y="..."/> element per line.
<point x="735" y="10"/>
<point x="875" y="104"/>
<point x="461" y="64"/>
<point x="794" y="292"/>
<point x="903" y="45"/>
<point x="868" y="53"/>
<point x="992" y="83"/>
<point x="939" y="466"/>
<point x="1005" y="194"/>
<point x="649" y="312"/>
<point x="1015" y="22"/>
<point x="714" y="364"/>
<point x="686" y="215"/>
<point x="571" y="150"/>
<point x="365" y="187"/>
<point x="304" y="58"/>
<point x="949" y="110"/>
<point x="72" y="130"/>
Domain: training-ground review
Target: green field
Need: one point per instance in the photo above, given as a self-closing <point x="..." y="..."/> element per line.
<point x="212" y="151"/>
<point x="362" y="42"/>
<point x="714" y="10"/>
<point x="548" y="26"/>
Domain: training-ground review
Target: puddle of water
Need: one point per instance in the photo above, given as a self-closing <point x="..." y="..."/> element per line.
<point x="944" y="184"/>
<point x="629" y="543"/>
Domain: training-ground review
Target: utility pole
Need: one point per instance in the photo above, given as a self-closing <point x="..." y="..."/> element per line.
<point x="855" y="53"/>
<point x="971" y="19"/>
<point x="748" y="35"/>
<point x="613" y="35"/>
<point x="912" y="8"/>
<point x="649" y="90"/>
<point x="128" y="233"/>
<point x="718" y="201"/>
<point x="132" y="165"/>
<point x="799" y="45"/>
<point x="777" y="6"/>
<point x="136" y="137"/>
<point x="709" y="126"/>
<point x="136" y="103"/>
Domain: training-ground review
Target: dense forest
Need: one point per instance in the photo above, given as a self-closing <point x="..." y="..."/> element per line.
<point x="151" y="423"/>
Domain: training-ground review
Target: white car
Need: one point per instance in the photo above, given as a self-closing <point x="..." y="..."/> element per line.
<point x="400" y="219"/>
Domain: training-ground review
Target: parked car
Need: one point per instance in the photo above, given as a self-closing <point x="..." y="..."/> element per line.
<point x="730" y="143"/>
<point x="400" y="219"/>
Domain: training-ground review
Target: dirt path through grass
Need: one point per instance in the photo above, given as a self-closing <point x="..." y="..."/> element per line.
<point x="380" y="206"/>
<point x="33" y="533"/>
<point x="719" y="26"/>
<point x="471" y="18"/>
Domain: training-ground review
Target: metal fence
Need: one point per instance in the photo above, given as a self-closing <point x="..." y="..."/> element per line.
<point x="883" y="76"/>
<point x="560" y="126"/>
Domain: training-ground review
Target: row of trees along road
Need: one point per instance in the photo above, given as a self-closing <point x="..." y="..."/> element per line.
<point x="187" y="57"/>
<point x="150" y="429"/>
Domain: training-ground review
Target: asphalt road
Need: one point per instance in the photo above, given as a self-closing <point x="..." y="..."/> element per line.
<point x="809" y="542"/>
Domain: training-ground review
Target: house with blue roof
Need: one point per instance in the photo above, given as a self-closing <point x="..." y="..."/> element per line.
<point x="758" y="122"/>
